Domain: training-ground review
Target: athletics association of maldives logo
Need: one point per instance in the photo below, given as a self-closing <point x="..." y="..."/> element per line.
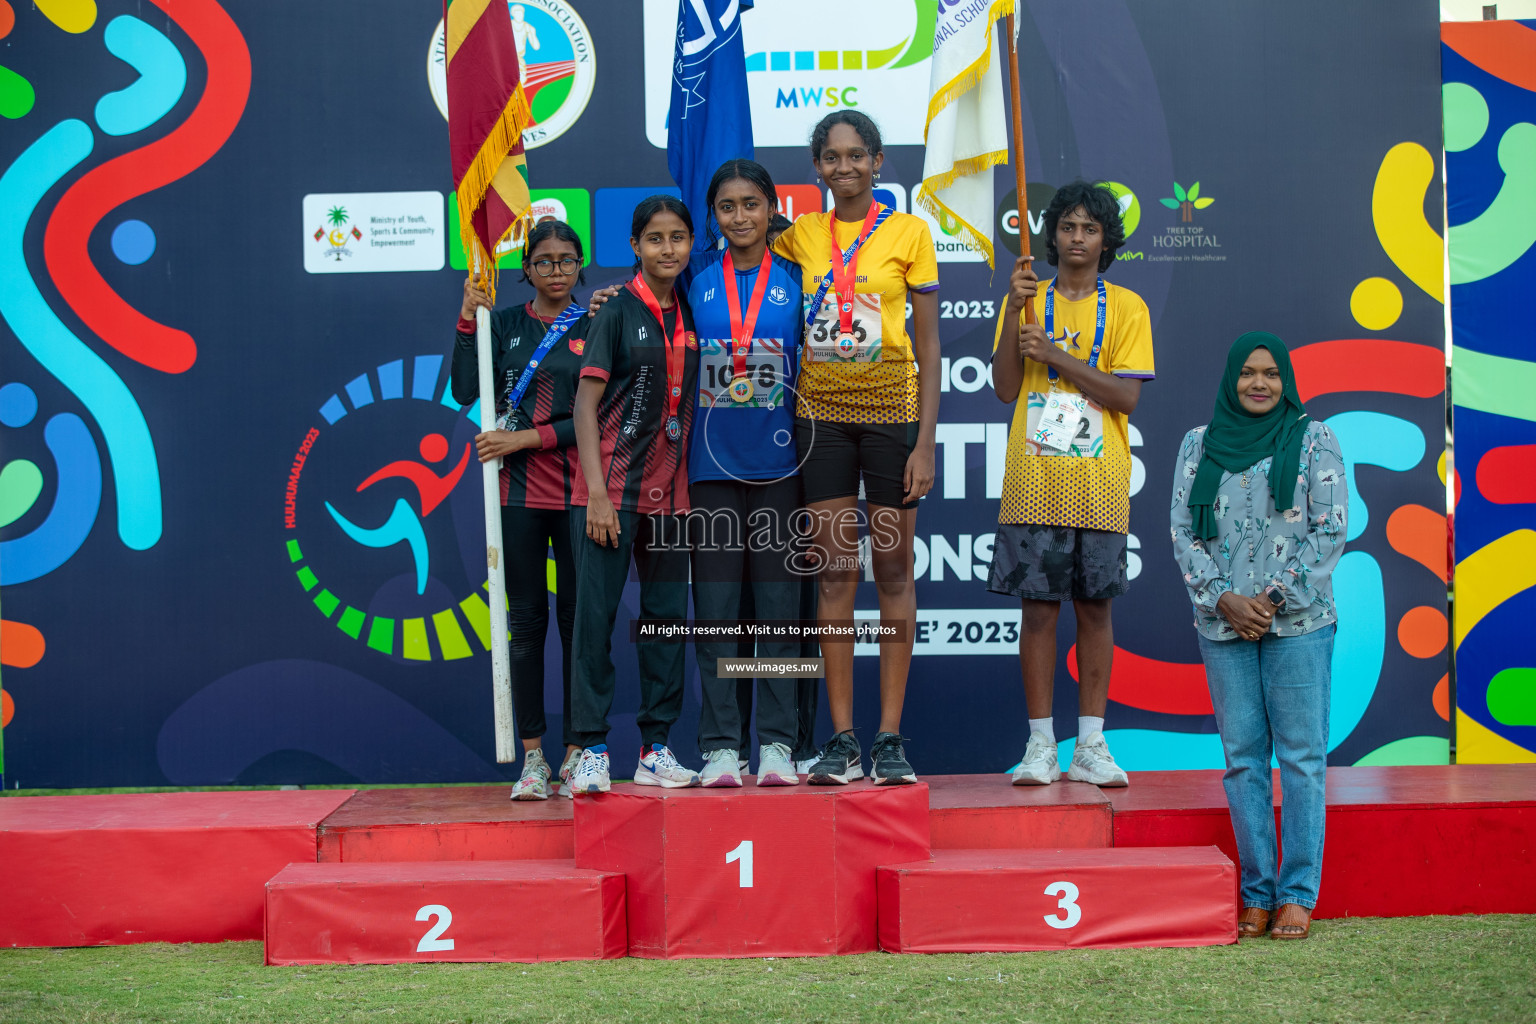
<point x="555" y="63"/>
<point x="369" y="514"/>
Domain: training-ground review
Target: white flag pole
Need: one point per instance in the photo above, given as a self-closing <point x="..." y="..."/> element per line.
<point x="501" y="662"/>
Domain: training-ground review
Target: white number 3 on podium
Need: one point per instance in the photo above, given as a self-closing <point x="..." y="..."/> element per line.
<point x="1068" y="903"/>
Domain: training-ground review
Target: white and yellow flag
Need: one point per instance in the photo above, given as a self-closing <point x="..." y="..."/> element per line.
<point x="966" y="133"/>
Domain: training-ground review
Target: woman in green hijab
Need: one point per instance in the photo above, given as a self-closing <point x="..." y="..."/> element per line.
<point x="1259" y="517"/>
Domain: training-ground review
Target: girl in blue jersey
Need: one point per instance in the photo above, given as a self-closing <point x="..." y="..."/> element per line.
<point x="743" y="472"/>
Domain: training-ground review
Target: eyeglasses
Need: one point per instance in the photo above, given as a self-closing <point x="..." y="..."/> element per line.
<point x="545" y="268"/>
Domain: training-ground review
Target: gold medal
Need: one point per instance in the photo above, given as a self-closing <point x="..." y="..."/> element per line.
<point x="741" y="389"/>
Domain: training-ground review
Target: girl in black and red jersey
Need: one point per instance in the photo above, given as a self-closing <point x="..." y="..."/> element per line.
<point x="634" y="409"/>
<point x="538" y="349"/>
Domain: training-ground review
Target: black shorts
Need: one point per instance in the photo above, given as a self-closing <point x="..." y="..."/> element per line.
<point x="1057" y="563"/>
<point x="834" y="455"/>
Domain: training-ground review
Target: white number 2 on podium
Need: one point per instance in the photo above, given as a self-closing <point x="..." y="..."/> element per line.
<point x="1068" y="903"/>
<point x="430" y="942"/>
<point x="742" y="858"/>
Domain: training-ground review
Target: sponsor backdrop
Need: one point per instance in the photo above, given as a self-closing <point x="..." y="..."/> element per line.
<point x="1490" y="142"/>
<point x="241" y="531"/>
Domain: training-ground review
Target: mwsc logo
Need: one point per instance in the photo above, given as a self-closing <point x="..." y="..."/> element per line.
<point x="793" y="80"/>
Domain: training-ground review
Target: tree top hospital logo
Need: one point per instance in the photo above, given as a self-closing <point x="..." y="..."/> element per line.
<point x="555" y="63"/>
<point x="793" y="79"/>
<point x="369" y="519"/>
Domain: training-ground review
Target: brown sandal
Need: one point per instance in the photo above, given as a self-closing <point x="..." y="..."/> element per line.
<point x="1292" y="921"/>
<point x="1252" y="922"/>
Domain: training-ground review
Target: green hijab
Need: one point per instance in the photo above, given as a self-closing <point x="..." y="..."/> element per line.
<point x="1237" y="438"/>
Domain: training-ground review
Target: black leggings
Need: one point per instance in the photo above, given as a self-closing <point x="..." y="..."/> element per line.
<point x="528" y="535"/>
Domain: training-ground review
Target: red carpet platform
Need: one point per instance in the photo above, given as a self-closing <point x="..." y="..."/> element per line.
<point x="985" y="812"/>
<point x="149" y="867"/>
<point x="92" y="870"/>
<point x="979" y="901"/>
<point x="488" y="910"/>
<point x="783" y="871"/>
<point x="447" y="823"/>
<point x="1401" y="841"/>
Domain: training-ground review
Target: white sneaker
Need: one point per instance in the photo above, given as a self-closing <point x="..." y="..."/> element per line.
<point x="741" y="764"/>
<point x="533" y="784"/>
<point x="1092" y="762"/>
<point x="659" y="768"/>
<point x="721" y="768"/>
<point x="804" y="767"/>
<point x="566" y="768"/>
<point x="591" y="774"/>
<point x="1040" y="766"/>
<point x="774" y="767"/>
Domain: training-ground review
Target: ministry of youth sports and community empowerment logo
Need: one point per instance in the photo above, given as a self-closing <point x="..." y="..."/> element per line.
<point x="369" y="510"/>
<point x="555" y="63"/>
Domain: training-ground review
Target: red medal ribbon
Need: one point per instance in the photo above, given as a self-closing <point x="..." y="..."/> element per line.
<point x="845" y="277"/>
<point x="741" y="331"/>
<point x="676" y="348"/>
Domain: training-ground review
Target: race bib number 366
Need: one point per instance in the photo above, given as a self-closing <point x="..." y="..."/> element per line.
<point x="826" y="343"/>
<point x="764" y="367"/>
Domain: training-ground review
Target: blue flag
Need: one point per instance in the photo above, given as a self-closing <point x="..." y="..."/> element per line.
<point x="709" y="121"/>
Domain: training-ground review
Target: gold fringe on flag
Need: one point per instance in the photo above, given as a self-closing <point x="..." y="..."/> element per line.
<point x="967" y="79"/>
<point x="506" y="134"/>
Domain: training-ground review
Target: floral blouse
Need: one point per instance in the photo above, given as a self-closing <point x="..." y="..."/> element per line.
<point x="1259" y="546"/>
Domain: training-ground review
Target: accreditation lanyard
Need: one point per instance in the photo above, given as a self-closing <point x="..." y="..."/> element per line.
<point x="556" y="331"/>
<point x="676" y="350"/>
<point x="849" y="265"/>
<point x="1098" y="324"/>
<point x="742" y="330"/>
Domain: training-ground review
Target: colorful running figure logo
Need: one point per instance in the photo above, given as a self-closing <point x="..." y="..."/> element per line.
<point x="403" y="524"/>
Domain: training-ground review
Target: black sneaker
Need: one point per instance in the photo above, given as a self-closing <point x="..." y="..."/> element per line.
<point x="838" y="763"/>
<point x="889" y="765"/>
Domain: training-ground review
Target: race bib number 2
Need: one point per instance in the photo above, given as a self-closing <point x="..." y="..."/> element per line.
<point x="764" y="367"/>
<point x="825" y="342"/>
<point x="1086" y="439"/>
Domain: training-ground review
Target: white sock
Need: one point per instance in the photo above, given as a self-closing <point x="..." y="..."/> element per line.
<point x="1087" y="725"/>
<point x="1045" y="728"/>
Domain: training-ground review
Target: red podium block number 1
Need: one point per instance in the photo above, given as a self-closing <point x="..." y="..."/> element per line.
<point x="751" y="872"/>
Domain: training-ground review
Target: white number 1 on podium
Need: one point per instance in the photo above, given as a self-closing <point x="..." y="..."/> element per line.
<point x="742" y="858"/>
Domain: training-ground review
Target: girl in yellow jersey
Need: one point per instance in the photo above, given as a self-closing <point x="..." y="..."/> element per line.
<point x="868" y="404"/>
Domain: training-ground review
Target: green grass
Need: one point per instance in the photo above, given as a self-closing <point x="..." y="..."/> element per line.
<point x="1360" y="969"/>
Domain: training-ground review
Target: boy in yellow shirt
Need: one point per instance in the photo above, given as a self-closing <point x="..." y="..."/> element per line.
<point x="1075" y="367"/>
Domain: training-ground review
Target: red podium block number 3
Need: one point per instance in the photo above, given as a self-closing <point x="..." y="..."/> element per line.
<point x="1069" y="912"/>
<point x="975" y="901"/>
<point x="742" y="858"/>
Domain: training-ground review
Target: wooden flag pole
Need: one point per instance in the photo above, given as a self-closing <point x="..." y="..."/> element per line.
<point x="1010" y="46"/>
<point x="501" y="662"/>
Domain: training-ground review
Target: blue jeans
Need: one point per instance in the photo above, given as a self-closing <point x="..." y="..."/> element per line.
<point x="1271" y="697"/>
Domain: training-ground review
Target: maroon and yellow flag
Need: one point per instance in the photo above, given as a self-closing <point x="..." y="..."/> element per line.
<point x="487" y="113"/>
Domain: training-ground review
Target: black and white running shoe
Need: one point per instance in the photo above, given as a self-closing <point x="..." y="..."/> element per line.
<point x="839" y="762"/>
<point x="888" y="762"/>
